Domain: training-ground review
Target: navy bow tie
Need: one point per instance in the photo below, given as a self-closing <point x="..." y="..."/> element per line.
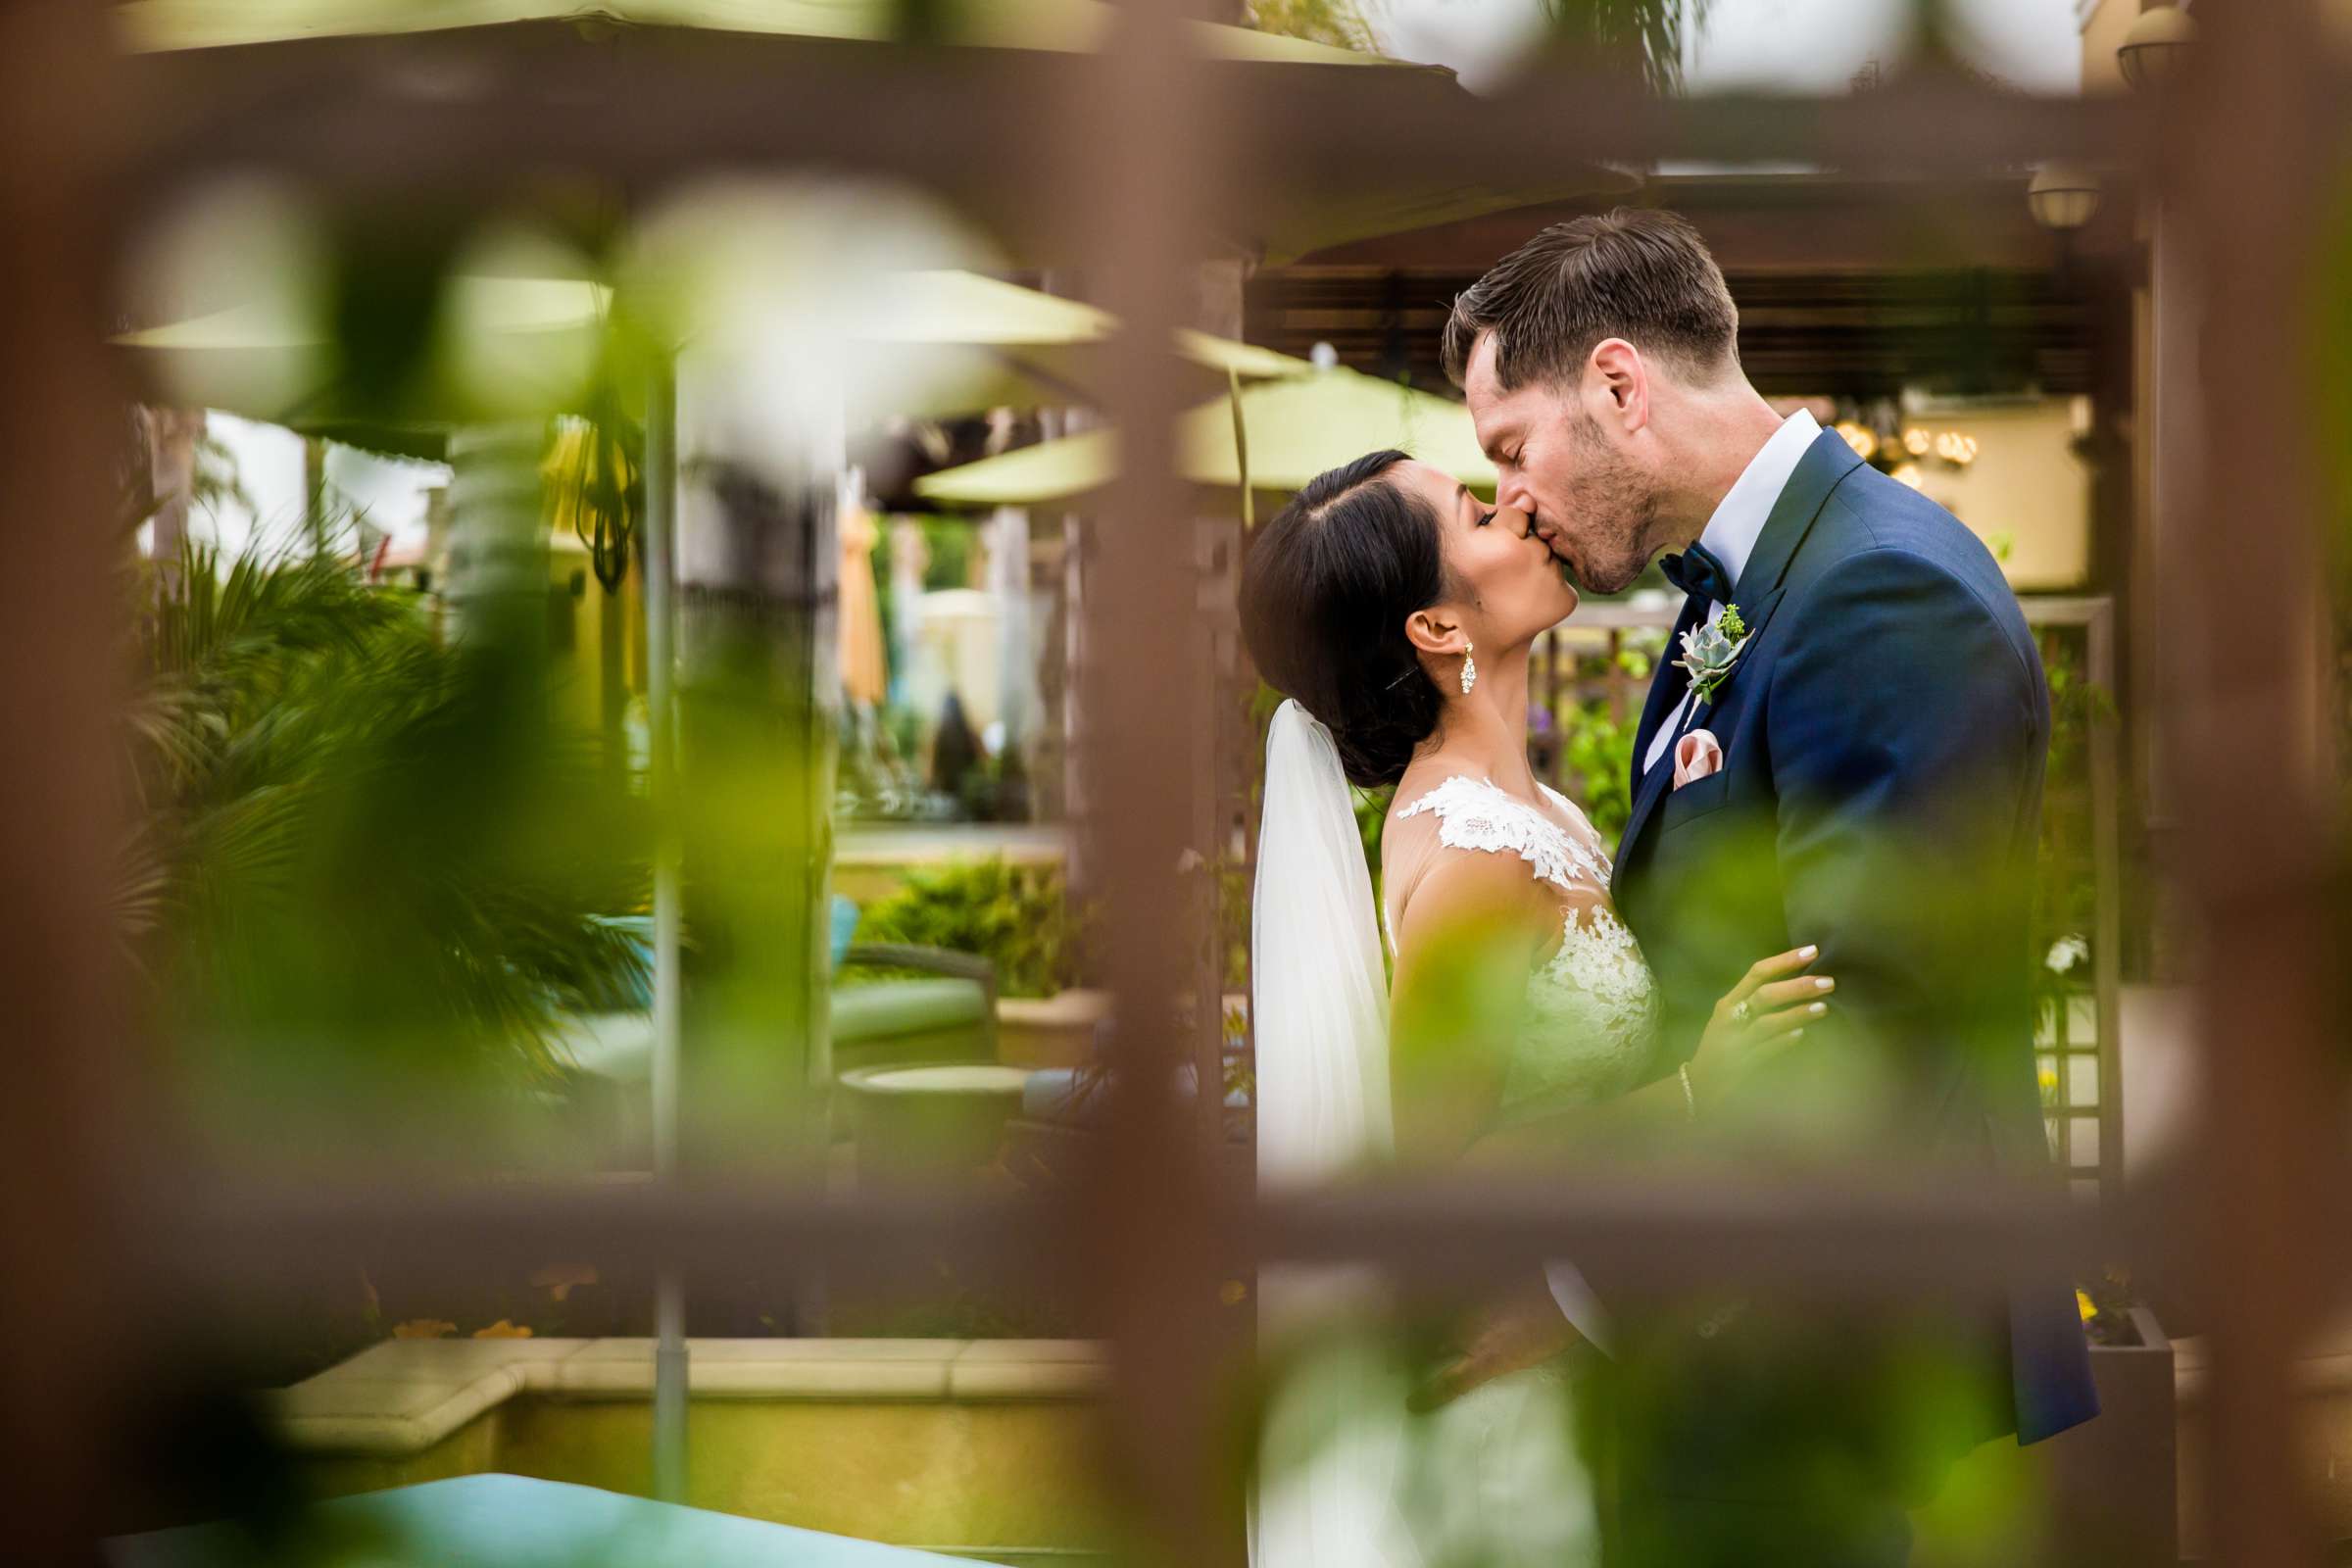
<point x="1698" y="574"/>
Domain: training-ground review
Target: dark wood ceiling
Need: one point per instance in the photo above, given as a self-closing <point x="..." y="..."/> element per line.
<point x="1844" y="289"/>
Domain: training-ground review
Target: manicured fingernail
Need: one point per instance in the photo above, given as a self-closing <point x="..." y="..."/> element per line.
<point x="1825" y="985"/>
<point x="1806" y="953"/>
<point x="1818" y="1008"/>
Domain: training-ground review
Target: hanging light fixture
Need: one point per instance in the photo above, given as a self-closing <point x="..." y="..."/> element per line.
<point x="2063" y="196"/>
<point x="2156" y="48"/>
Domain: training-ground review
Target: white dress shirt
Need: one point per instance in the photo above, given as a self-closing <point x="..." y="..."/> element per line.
<point x="1733" y="531"/>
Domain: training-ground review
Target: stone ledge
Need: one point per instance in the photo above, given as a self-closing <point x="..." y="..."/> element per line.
<point x="402" y="1396"/>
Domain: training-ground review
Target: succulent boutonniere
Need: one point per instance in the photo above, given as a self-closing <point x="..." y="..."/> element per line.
<point x="1710" y="651"/>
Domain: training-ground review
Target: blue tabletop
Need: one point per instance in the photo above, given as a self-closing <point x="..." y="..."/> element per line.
<point x="496" y="1521"/>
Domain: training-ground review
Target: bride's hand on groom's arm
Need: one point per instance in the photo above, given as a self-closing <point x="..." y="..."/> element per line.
<point x="1757" y="1022"/>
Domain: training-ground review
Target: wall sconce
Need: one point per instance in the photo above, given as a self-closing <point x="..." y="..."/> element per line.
<point x="2063" y="196"/>
<point x="2156" y="49"/>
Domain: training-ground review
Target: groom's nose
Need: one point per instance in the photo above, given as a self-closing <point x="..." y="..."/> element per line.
<point x="1510" y="494"/>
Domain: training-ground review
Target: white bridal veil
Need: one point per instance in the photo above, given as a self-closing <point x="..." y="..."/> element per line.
<point x="1326" y="1491"/>
<point x="1321" y="992"/>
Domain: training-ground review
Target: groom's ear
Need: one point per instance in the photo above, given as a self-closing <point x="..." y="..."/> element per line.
<point x="1617" y="385"/>
<point x="1433" y="631"/>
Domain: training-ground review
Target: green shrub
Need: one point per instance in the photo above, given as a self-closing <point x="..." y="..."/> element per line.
<point x="1019" y="918"/>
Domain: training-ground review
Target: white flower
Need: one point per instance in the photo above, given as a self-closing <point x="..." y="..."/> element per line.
<point x="2066" y="953"/>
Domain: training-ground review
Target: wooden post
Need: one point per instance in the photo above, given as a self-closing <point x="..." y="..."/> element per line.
<point x="74" y="1069"/>
<point x="1151" y="146"/>
<point x="2249" y="752"/>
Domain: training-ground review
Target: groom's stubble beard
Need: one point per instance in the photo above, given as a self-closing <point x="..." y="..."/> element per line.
<point x="1613" y="514"/>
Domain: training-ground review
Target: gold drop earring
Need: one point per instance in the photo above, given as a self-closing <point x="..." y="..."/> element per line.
<point x="1469" y="667"/>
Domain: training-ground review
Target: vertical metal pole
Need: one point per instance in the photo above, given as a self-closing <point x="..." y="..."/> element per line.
<point x="2107" y="933"/>
<point x="2248" y="746"/>
<point x="661" y="660"/>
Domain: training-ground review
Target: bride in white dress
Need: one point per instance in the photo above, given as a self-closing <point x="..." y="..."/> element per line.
<point x="1397" y="612"/>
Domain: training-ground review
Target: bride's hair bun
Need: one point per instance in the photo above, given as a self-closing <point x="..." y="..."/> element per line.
<point x="1326" y="588"/>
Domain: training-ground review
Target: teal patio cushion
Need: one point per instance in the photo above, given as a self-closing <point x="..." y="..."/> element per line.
<point x="495" y="1521"/>
<point x="844" y="927"/>
<point x="891" y="1007"/>
<point x="621" y="1045"/>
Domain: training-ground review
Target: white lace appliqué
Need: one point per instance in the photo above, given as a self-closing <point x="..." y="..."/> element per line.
<point x="1475" y="815"/>
<point x="1592" y="1016"/>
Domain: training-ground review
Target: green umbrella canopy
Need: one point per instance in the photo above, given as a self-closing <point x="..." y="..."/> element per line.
<point x="1042" y="341"/>
<point x="961" y="341"/>
<point x="1296" y="428"/>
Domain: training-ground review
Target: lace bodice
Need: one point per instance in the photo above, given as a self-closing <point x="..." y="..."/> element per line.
<point x="1590" y="1022"/>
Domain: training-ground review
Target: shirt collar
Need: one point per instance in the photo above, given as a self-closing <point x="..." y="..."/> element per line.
<point x="1739" y="521"/>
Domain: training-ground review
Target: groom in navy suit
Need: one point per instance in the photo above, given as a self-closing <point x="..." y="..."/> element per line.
<point x="1852" y="759"/>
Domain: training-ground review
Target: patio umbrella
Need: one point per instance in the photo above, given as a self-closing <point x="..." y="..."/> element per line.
<point x="1073" y="26"/>
<point x="198" y="42"/>
<point x="272" y="360"/>
<point x="1295" y="429"/>
<point x="936" y="343"/>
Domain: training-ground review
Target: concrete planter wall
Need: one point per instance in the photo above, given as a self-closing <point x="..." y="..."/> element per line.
<point x="2117" y="1497"/>
<point x="982" y="1449"/>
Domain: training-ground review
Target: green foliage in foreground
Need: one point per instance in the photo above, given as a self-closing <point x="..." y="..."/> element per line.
<point x="360" y="849"/>
<point x="1019" y="918"/>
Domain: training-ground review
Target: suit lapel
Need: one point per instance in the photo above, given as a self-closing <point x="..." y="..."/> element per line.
<point x="1648" y="787"/>
<point x="1757" y="595"/>
<point x="1825" y="463"/>
<point x="1753" y="616"/>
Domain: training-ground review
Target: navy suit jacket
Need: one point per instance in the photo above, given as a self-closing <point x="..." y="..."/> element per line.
<point x="1884" y="734"/>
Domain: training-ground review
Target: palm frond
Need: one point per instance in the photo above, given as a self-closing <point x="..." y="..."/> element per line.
<point x="1641" y="37"/>
<point x="355" y="832"/>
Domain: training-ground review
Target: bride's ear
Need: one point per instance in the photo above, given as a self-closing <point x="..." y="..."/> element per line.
<point x="1433" y="631"/>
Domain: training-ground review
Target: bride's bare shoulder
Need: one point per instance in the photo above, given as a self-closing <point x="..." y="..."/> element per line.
<point x="1459" y="890"/>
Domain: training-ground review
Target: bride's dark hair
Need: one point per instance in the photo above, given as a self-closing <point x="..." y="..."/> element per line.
<point x="1325" y="592"/>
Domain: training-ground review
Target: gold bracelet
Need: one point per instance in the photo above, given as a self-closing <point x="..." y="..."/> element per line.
<point x="1690" y="1099"/>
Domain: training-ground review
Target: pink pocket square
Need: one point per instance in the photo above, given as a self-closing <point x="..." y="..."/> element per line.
<point x="1696" y="756"/>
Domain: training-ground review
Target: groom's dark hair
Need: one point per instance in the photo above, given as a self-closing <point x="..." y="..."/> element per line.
<point x="1637" y="273"/>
